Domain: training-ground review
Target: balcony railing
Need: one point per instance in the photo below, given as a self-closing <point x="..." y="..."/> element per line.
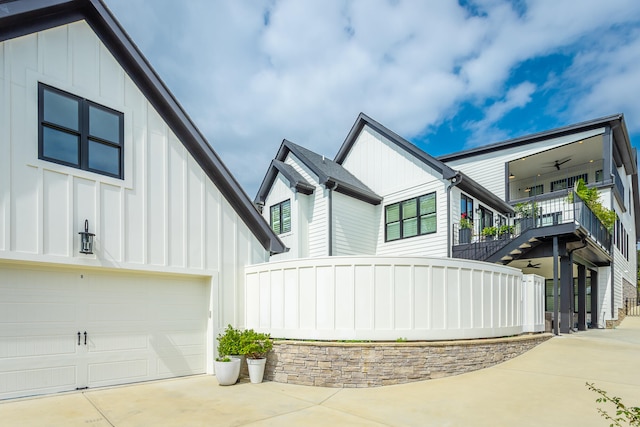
<point x="536" y="213"/>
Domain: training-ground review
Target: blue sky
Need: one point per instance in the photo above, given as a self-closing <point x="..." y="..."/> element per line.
<point x="445" y="75"/>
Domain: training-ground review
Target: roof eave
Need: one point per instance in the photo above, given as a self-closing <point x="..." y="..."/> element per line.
<point x="363" y="119"/>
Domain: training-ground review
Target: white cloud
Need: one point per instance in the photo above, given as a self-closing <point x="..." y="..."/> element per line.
<point x="484" y="131"/>
<point x="307" y="74"/>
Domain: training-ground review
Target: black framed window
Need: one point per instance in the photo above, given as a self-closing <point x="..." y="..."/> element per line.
<point x="76" y="132"/>
<point x="280" y="215"/>
<point x="535" y="190"/>
<point x="412" y="217"/>
<point x="486" y="218"/>
<point x="466" y="207"/>
<point x="564" y="183"/>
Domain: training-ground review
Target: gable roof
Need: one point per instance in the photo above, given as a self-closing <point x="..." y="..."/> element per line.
<point x="625" y="153"/>
<point x="22" y="17"/>
<point x="330" y="174"/>
<point x="296" y="180"/>
<point x="461" y="180"/>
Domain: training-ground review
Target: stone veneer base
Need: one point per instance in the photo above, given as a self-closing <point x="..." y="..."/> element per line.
<point x="373" y="364"/>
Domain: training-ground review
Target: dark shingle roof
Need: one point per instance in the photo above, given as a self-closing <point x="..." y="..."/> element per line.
<point x="330" y="174"/>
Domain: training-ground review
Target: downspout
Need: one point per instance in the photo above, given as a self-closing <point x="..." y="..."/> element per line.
<point x="330" y="215"/>
<point x="457" y="179"/>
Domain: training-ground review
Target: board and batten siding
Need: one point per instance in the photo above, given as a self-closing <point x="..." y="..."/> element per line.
<point x="488" y="169"/>
<point x="316" y="212"/>
<point x="383" y="166"/>
<point x="396" y="175"/>
<point x="165" y="216"/>
<point x="355" y="226"/>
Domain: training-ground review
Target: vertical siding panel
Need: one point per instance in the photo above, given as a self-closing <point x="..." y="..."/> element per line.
<point x="228" y="250"/>
<point x="56" y="235"/>
<point x="135" y="210"/>
<point x="195" y="213"/>
<point x="383" y="297"/>
<point x="156" y="199"/>
<point x="291" y="299"/>
<point x="403" y="297"/>
<point x="84" y="208"/>
<point x="23" y="56"/>
<point x="111" y="77"/>
<point x="54" y="52"/>
<point x="364" y="293"/>
<point x="85" y="57"/>
<point x="212" y="226"/>
<point x="5" y="160"/>
<point x="325" y="294"/>
<point x="111" y="222"/>
<point x="177" y="202"/>
<point x="344" y="297"/>
<point x="307" y="280"/>
<point x="439" y="297"/>
<point x="421" y="298"/>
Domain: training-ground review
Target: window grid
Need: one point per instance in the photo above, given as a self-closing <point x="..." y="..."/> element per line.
<point x="280" y="217"/>
<point x="79" y="133"/>
<point x="410" y="218"/>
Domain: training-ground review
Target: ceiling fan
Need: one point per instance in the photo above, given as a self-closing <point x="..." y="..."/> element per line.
<point x="530" y="265"/>
<point x="559" y="162"/>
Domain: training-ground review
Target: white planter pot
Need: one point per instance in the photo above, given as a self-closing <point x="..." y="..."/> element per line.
<point x="256" y="369"/>
<point x="227" y="372"/>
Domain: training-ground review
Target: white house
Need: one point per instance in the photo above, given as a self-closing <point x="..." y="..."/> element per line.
<point x="90" y="136"/>
<point x="382" y="196"/>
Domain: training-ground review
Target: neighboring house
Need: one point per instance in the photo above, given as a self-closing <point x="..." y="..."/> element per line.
<point x="90" y="135"/>
<point x="383" y="196"/>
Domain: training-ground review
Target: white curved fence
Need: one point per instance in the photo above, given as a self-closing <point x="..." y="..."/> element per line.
<point x="387" y="298"/>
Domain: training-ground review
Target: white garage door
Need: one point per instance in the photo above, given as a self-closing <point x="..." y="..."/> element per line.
<point x="64" y="330"/>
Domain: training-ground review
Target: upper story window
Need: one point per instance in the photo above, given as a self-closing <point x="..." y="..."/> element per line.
<point x="564" y="183"/>
<point x="76" y="132"/>
<point x="466" y="207"/>
<point x="280" y="215"/>
<point x="410" y="218"/>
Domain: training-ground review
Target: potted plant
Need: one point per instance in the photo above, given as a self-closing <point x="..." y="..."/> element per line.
<point x="466" y="226"/>
<point x="255" y="347"/>
<point x="489" y="233"/>
<point x="227" y="370"/>
<point x="229" y="360"/>
<point x="527" y="212"/>
<point x="505" y="231"/>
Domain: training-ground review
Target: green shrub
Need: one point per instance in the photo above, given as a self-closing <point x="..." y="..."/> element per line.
<point x="230" y="342"/>
<point x="624" y="414"/>
<point x="255" y="345"/>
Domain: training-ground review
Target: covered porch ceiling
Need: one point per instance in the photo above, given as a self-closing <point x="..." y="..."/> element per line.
<point x="581" y="152"/>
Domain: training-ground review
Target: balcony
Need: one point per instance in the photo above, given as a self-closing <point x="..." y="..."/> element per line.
<point x="539" y="216"/>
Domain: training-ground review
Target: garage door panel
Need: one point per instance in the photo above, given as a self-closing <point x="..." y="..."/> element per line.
<point x="104" y="312"/>
<point x="179" y="365"/>
<point x="117" y="342"/>
<point x="36" y="345"/>
<point x="138" y="328"/>
<point x="25" y="382"/>
<point x="118" y="372"/>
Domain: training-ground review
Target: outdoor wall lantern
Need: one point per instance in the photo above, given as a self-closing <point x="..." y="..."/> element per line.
<point x="86" y="239"/>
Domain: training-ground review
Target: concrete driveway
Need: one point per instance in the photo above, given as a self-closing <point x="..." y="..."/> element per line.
<point x="544" y="387"/>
